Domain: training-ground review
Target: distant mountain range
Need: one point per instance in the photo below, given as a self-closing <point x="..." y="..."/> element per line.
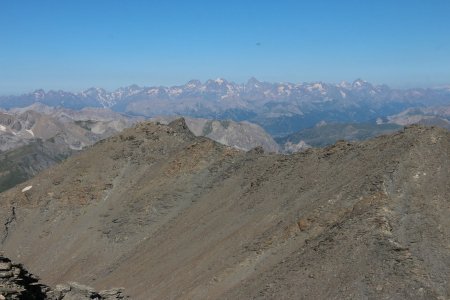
<point x="280" y="108"/>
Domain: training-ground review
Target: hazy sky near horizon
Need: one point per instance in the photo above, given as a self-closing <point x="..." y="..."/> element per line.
<point x="72" y="45"/>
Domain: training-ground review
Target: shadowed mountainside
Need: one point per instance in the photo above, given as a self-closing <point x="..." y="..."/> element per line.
<point x="169" y="215"/>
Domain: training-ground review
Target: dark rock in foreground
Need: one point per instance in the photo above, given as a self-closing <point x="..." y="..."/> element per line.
<point x="17" y="283"/>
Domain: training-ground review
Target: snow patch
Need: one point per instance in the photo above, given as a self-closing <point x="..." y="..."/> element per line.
<point x="175" y="91"/>
<point x="30" y="131"/>
<point x="153" y="91"/>
<point x="26" y="188"/>
<point x="2" y="128"/>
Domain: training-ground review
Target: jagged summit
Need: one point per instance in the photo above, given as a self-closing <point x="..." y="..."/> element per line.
<point x="170" y="217"/>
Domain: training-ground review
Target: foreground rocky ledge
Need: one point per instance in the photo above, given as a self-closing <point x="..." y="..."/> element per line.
<point x="17" y="283"/>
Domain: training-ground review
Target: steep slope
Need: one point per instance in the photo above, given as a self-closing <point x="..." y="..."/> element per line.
<point x="169" y="215"/>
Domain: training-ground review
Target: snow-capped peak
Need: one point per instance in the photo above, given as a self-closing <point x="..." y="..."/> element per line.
<point x="219" y="81"/>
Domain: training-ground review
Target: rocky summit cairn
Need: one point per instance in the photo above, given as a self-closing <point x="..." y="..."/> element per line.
<point x="17" y="283"/>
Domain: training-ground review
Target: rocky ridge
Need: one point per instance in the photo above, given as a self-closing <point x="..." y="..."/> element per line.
<point x="36" y="137"/>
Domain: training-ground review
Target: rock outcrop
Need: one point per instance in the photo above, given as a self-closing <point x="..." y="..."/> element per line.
<point x="16" y="283"/>
<point x="241" y="135"/>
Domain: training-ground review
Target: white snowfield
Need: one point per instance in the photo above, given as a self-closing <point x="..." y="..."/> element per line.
<point x="2" y="128"/>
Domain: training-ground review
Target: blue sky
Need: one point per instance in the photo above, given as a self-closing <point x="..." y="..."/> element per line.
<point x="72" y="45"/>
